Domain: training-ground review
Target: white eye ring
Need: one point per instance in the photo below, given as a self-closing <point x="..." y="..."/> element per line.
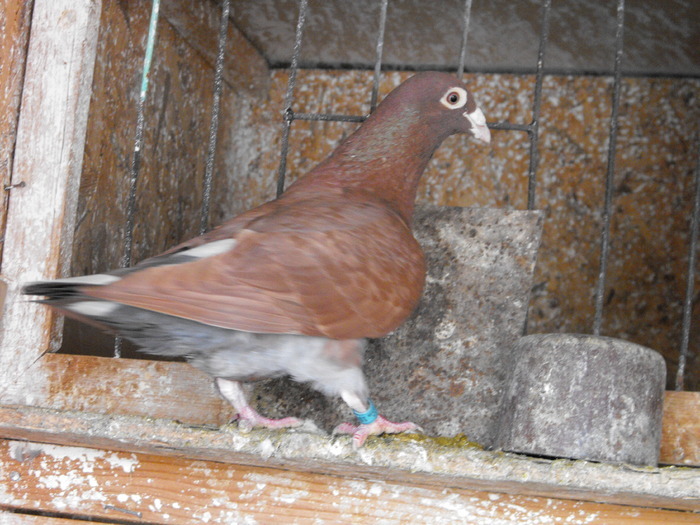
<point x="455" y="98"/>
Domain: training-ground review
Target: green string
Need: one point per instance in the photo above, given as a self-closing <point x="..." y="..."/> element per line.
<point x="138" y="143"/>
<point x="150" y="44"/>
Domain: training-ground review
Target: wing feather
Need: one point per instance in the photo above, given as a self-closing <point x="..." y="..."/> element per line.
<point x="337" y="268"/>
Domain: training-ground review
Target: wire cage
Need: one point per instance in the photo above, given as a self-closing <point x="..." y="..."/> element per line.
<point x="607" y="146"/>
<point x="608" y="150"/>
<point x="145" y="123"/>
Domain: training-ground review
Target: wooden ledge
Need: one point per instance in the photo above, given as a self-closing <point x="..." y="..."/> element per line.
<point x="680" y="438"/>
<point x="405" y="460"/>
<point x="56" y="482"/>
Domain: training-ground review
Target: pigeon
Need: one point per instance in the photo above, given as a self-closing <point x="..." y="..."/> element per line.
<point x="295" y="286"/>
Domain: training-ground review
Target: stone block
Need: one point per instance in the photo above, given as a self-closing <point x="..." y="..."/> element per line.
<point x="445" y="368"/>
<point x="584" y="397"/>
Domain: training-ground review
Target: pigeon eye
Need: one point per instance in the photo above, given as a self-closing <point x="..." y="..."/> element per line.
<point x="455" y="98"/>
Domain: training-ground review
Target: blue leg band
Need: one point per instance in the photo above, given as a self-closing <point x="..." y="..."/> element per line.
<point x="367" y="417"/>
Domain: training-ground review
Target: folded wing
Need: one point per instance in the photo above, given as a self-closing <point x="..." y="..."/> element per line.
<point x="335" y="268"/>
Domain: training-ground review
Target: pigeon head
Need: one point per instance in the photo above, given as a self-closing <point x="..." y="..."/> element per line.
<point x="388" y="153"/>
<point x="441" y="103"/>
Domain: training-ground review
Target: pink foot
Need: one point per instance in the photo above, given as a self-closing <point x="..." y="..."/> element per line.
<point x="381" y="425"/>
<point x="249" y="419"/>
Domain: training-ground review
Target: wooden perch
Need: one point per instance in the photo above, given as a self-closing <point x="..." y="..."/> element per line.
<point x="168" y="390"/>
<point x="110" y="485"/>
<point x="414" y="460"/>
<point x="680" y="438"/>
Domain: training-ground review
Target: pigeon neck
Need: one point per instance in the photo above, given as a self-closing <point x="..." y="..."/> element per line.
<point x="386" y="157"/>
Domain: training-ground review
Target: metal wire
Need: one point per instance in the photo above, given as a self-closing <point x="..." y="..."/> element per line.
<point x="610" y="175"/>
<point x="138" y="140"/>
<point x="532" y="129"/>
<point x="484" y="70"/>
<point x="215" y="110"/>
<point x="138" y="146"/>
<point x="328" y="117"/>
<point x="378" y="60"/>
<point x="290" y="116"/>
<point x="536" y="104"/>
<point x="465" y="32"/>
<point x="289" y="97"/>
<point x="508" y="126"/>
<point x="690" y="278"/>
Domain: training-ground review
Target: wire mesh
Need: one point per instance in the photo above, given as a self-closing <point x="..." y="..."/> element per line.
<point x="380" y="48"/>
<point x="465" y="34"/>
<point x="138" y="147"/>
<point x="215" y="110"/>
<point x="534" y="132"/>
<point x="610" y="175"/>
<point x="531" y="128"/>
<point x="690" y="277"/>
<point x="289" y="97"/>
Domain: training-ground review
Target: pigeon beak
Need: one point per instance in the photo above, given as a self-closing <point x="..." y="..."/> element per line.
<point x="479" y="128"/>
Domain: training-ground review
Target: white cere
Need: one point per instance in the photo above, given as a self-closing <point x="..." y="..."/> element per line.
<point x="477" y="117"/>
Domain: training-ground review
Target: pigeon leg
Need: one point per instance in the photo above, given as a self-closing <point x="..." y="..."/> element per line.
<point x="371" y="423"/>
<point x="248" y="418"/>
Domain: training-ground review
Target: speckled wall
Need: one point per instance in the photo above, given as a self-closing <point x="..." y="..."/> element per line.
<point x="659" y="119"/>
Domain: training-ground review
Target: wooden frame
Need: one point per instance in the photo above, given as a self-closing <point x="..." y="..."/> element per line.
<point x="80" y="401"/>
<point x="109" y="484"/>
<point x="48" y="159"/>
<point x="47" y="162"/>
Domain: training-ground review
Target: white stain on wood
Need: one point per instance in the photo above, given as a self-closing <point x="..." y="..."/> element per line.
<point x="177" y="490"/>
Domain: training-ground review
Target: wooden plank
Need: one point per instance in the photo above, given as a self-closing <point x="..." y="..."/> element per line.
<point x="680" y="438"/>
<point x="13" y="50"/>
<point x="48" y="157"/>
<point x="20" y="518"/>
<point x="3" y="294"/>
<point x="153" y="389"/>
<point x="156" y="489"/>
<point x="403" y="460"/>
<point x="159" y="389"/>
<point x="245" y="69"/>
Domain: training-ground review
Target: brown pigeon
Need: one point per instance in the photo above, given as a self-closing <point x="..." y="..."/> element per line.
<point x="295" y="286"/>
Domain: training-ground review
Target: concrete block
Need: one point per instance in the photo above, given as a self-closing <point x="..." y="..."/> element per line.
<point x="584" y="397"/>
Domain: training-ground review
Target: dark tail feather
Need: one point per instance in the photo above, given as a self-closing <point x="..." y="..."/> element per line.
<point x="51" y="289"/>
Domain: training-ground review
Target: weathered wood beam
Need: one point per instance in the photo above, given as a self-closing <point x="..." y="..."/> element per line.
<point x="13" y="52"/>
<point x="168" y="390"/>
<point x="680" y="438"/>
<point x="152" y="389"/>
<point x="17" y="517"/>
<point x="112" y="485"/>
<point x="404" y="460"/>
<point x="47" y="160"/>
<point x="245" y="69"/>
